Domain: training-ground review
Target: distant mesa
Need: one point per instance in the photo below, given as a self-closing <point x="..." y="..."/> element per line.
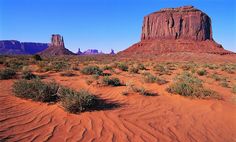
<point x="56" y="47"/>
<point x="14" y="47"/>
<point x="182" y="29"/>
<point x="93" y="52"/>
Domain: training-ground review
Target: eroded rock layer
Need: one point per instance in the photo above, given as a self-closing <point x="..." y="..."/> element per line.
<point x="182" y="29"/>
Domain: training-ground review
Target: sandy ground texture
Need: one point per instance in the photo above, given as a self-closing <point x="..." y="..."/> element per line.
<point x="137" y="118"/>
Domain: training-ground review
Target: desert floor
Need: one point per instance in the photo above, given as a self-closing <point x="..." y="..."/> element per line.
<point x="164" y="117"/>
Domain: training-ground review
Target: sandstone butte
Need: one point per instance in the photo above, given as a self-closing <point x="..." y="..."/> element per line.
<point x="171" y="30"/>
<point x="56" y="47"/>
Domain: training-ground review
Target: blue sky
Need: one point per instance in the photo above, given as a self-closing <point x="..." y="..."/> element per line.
<point x="102" y="24"/>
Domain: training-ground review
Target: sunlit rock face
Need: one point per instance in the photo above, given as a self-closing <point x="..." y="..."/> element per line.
<point x="182" y="29"/>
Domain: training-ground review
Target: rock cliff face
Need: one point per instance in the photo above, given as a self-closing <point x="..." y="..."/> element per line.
<point x="177" y="23"/>
<point x="182" y="29"/>
<point x="56" y="47"/>
<point x="14" y="47"/>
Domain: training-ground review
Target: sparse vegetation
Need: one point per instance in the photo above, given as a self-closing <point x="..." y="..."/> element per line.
<point x="187" y="84"/>
<point x="224" y="83"/>
<point x="234" y="89"/>
<point x="111" y="81"/>
<point x="7" y="73"/>
<point x="89" y="70"/>
<point x="149" y="78"/>
<point x="202" y="72"/>
<point x="28" y="75"/>
<point x="36" y="90"/>
<point x="133" y="69"/>
<point x="229" y="68"/>
<point x="75" y="102"/>
<point x="68" y="73"/>
<point x="211" y="66"/>
<point x="37" y="57"/>
<point x="161" y="69"/>
<point x="122" y="66"/>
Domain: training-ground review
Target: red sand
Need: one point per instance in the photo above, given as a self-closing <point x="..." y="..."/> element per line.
<point x="158" y="118"/>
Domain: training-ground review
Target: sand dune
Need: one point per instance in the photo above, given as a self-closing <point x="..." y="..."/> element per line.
<point x="138" y="118"/>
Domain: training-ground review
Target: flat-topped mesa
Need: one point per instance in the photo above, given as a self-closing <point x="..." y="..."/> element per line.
<point x="184" y="22"/>
<point x="57" y="41"/>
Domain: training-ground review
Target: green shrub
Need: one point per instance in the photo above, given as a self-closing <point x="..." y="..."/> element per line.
<point x="111" y="81"/>
<point x="161" y="69"/>
<point x="160" y="81"/>
<point x="216" y="77"/>
<point x="201" y="72"/>
<point x="234" y="89"/>
<point x="149" y="78"/>
<point x="28" y="75"/>
<point x="133" y="70"/>
<point x="122" y="66"/>
<point x="36" y="90"/>
<point x="186" y="84"/>
<point x="142" y="91"/>
<point x="190" y="66"/>
<point x="224" y="84"/>
<point x="140" y="66"/>
<point x="228" y="68"/>
<point x="106" y="67"/>
<point x="89" y="70"/>
<point x="59" y="66"/>
<point x="37" y="57"/>
<point x="211" y="66"/>
<point x="15" y="63"/>
<point x="7" y="73"/>
<point x="76" y="102"/>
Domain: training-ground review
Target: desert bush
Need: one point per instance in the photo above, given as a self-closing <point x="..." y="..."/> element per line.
<point x="59" y="65"/>
<point x="122" y="66"/>
<point x="216" y="77"/>
<point x="89" y="70"/>
<point x="133" y="69"/>
<point x="228" y="68"/>
<point x="28" y="75"/>
<point x="202" y="72"/>
<point x="140" y="66"/>
<point x="15" y="63"/>
<point x="149" y="78"/>
<point x="7" y="73"/>
<point x="234" y="89"/>
<point x="75" y="102"/>
<point x="106" y="67"/>
<point x="68" y="73"/>
<point x="187" y="84"/>
<point x="189" y="66"/>
<point x="211" y="66"/>
<point x="224" y="83"/>
<point x="37" y="57"/>
<point x="161" y="81"/>
<point x="111" y="81"/>
<point x="95" y="76"/>
<point x="161" y="69"/>
<point x="36" y="90"/>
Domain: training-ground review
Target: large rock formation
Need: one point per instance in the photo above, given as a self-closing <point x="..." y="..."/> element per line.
<point x="182" y="29"/>
<point x="14" y="47"/>
<point x="57" y="47"/>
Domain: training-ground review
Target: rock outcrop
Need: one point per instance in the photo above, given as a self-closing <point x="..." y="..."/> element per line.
<point x="91" y="52"/>
<point x="182" y="29"/>
<point x="112" y="52"/>
<point x="14" y="47"/>
<point x="56" y="47"/>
